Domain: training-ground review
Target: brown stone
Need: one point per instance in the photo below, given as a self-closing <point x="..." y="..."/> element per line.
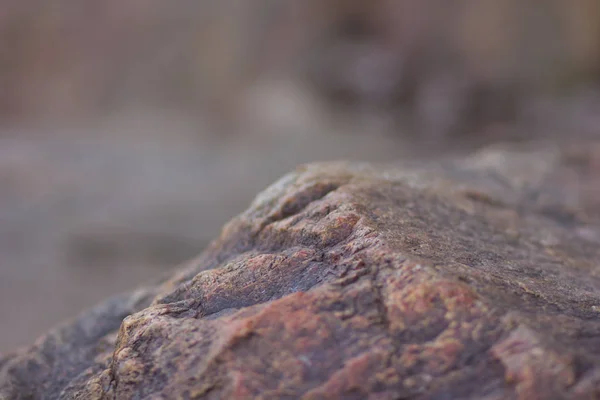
<point x="474" y="279"/>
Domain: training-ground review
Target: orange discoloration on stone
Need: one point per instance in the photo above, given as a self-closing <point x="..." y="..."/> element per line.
<point x="436" y="301"/>
<point x="353" y="377"/>
<point x="442" y="354"/>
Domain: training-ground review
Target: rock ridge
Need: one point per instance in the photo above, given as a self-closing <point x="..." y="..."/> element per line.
<point x="474" y="278"/>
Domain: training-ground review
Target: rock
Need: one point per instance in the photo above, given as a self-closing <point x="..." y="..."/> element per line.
<point x="469" y="279"/>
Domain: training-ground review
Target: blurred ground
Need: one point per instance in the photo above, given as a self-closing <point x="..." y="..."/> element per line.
<point x="131" y="131"/>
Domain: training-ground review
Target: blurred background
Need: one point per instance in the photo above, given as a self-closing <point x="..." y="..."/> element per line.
<point x="131" y="130"/>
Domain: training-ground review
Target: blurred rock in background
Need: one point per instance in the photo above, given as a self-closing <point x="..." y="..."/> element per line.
<point x="441" y="64"/>
<point x="132" y="130"/>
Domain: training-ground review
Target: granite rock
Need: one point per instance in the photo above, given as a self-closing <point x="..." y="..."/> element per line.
<point x="474" y="279"/>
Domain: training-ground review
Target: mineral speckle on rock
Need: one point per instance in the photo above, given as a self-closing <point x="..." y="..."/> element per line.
<point x="475" y="279"/>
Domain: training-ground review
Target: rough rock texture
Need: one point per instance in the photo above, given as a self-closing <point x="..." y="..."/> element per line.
<point x="476" y="279"/>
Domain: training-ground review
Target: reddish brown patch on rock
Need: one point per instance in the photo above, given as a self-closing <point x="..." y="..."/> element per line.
<point x="537" y="372"/>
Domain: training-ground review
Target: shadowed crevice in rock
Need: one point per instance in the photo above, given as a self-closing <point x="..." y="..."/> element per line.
<point x="351" y="280"/>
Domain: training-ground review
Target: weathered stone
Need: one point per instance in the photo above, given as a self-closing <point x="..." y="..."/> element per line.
<point x="475" y="279"/>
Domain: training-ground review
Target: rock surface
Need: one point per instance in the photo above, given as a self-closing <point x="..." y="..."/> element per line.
<point x="473" y="279"/>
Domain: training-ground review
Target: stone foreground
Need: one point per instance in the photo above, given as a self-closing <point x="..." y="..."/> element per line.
<point x="475" y="279"/>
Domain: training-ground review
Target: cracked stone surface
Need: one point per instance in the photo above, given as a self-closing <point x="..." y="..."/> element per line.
<point x="474" y="279"/>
